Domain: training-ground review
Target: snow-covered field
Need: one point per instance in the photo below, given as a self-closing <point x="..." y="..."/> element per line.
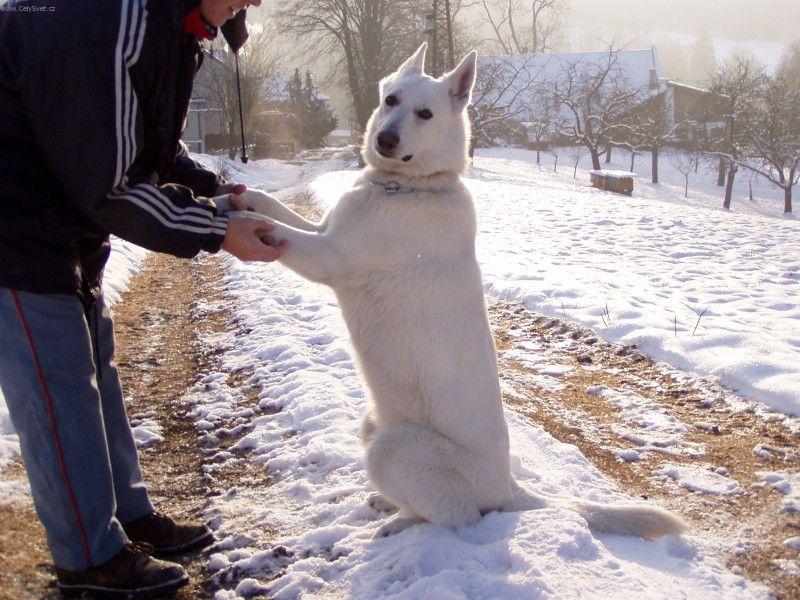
<point x="123" y="264"/>
<point x="641" y="270"/>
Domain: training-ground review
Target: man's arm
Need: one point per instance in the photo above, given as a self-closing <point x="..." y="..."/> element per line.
<point x="192" y="174"/>
<point x="85" y="116"/>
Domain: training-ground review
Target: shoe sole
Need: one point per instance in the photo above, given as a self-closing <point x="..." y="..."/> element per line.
<point x="105" y="592"/>
<point x="196" y="544"/>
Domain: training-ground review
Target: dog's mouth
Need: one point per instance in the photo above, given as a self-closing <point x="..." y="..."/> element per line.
<point x="385" y="154"/>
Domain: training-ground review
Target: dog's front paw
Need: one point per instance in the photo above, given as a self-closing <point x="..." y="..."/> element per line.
<point x="380" y="503"/>
<point x="395" y="526"/>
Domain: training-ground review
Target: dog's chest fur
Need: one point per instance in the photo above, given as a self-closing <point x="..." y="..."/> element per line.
<point x="413" y="303"/>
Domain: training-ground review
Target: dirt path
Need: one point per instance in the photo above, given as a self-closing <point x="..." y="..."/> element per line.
<point x="159" y="324"/>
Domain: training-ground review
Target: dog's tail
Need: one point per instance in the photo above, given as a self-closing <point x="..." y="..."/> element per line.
<point x="643" y="520"/>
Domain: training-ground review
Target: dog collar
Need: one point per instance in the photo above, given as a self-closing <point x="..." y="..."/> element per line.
<point x="394" y="187"/>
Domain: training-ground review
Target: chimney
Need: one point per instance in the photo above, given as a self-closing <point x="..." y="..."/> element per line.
<point x="653" y="79"/>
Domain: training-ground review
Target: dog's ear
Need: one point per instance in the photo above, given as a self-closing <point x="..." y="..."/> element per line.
<point x="415" y="64"/>
<point x="461" y="80"/>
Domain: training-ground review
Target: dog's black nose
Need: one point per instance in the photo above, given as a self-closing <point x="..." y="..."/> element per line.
<point x="388" y="141"/>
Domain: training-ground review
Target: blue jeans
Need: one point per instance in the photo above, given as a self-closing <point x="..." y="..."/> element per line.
<point x="62" y="388"/>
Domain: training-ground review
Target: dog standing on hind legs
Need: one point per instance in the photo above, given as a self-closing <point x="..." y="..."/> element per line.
<point x="398" y="250"/>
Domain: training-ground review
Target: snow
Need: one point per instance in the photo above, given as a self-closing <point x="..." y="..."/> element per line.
<point x="648" y="270"/>
<point x="647" y="424"/>
<point x="146" y="430"/>
<point x="787" y="484"/>
<point x="697" y="479"/>
<point x="311" y="530"/>
<point x="124" y="262"/>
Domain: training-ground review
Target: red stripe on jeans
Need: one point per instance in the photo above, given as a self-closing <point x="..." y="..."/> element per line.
<point x="48" y="399"/>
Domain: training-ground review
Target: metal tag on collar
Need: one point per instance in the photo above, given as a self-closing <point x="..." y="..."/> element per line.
<point x="391" y="187"/>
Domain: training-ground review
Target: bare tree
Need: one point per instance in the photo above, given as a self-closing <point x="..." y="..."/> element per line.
<point x="524" y="26"/>
<point x="576" y="152"/>
<point x="685" y="162"/>
<point x="773" y="135"/>
<point x="370" y="38"/>
<point x="259" y="66"/>
<point x="501" y="96"/>
<point x="555" y="151"/>
<point x="541" y="123"/>
<point x="648" y="128"/>
<point x="736" y="85"/>
<point x="595" y="97"/>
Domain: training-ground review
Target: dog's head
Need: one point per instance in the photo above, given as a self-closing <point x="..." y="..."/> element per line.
<point x="421" y="125"/>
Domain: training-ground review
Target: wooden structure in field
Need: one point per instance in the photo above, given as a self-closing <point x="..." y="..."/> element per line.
<point x="620" y="182"/>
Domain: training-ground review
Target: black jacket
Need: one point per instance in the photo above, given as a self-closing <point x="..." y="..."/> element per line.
<point x="93" y="98"/>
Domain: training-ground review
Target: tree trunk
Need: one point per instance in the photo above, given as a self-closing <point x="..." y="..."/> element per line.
<point x="575" y="172"/>
<point x="721" y="173"/>
<point x="654" y="164"/>
<point x="608" y="154"/>
<point x="729" y="187"/>
<point x="555" y="166"/>
<point x="787" y="199"/>
<point x="633" y="159"/>
<point x="538" y="155"/>
<point x="595" y="159"/>
<point x="686" y="189"/>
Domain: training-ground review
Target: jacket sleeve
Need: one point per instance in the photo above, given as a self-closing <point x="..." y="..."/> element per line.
<point x="84" y="113"/>
<point x="192" y="174"/>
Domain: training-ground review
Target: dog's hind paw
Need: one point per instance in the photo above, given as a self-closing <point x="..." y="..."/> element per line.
<point x="380" y="503"/>
<point x="395" y="526"/>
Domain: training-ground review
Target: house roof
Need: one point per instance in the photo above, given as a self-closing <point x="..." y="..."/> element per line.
<point x="520" y="74"/>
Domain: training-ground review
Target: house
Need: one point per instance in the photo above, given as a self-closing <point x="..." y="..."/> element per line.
<point x="202" y="120"/>
<point x="212" y="123"/>
<point x="516" y="88"/>
<point x="341" y="137"/>
<point x="694" y="110"/>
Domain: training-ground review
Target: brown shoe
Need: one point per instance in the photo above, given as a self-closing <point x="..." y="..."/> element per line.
<point x="168" y="537"/>
<point x="130" y="573"/>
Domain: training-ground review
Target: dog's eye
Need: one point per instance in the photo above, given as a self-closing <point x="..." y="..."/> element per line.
<point x="424" y="114"/>
<point x="391" y="100"/>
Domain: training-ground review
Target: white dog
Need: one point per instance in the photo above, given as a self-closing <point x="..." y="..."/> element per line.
<point x="399" y="252"/>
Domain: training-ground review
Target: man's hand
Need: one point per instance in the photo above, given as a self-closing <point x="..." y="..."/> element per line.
<point x="230" y="188"/>
<point x="248" y="237"/>
<point x="228" y="199"/>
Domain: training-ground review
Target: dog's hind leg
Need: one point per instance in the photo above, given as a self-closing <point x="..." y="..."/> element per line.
<point x="424" y="473"/>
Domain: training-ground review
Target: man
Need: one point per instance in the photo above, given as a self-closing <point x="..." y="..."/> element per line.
<point x="93" y="96"/>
